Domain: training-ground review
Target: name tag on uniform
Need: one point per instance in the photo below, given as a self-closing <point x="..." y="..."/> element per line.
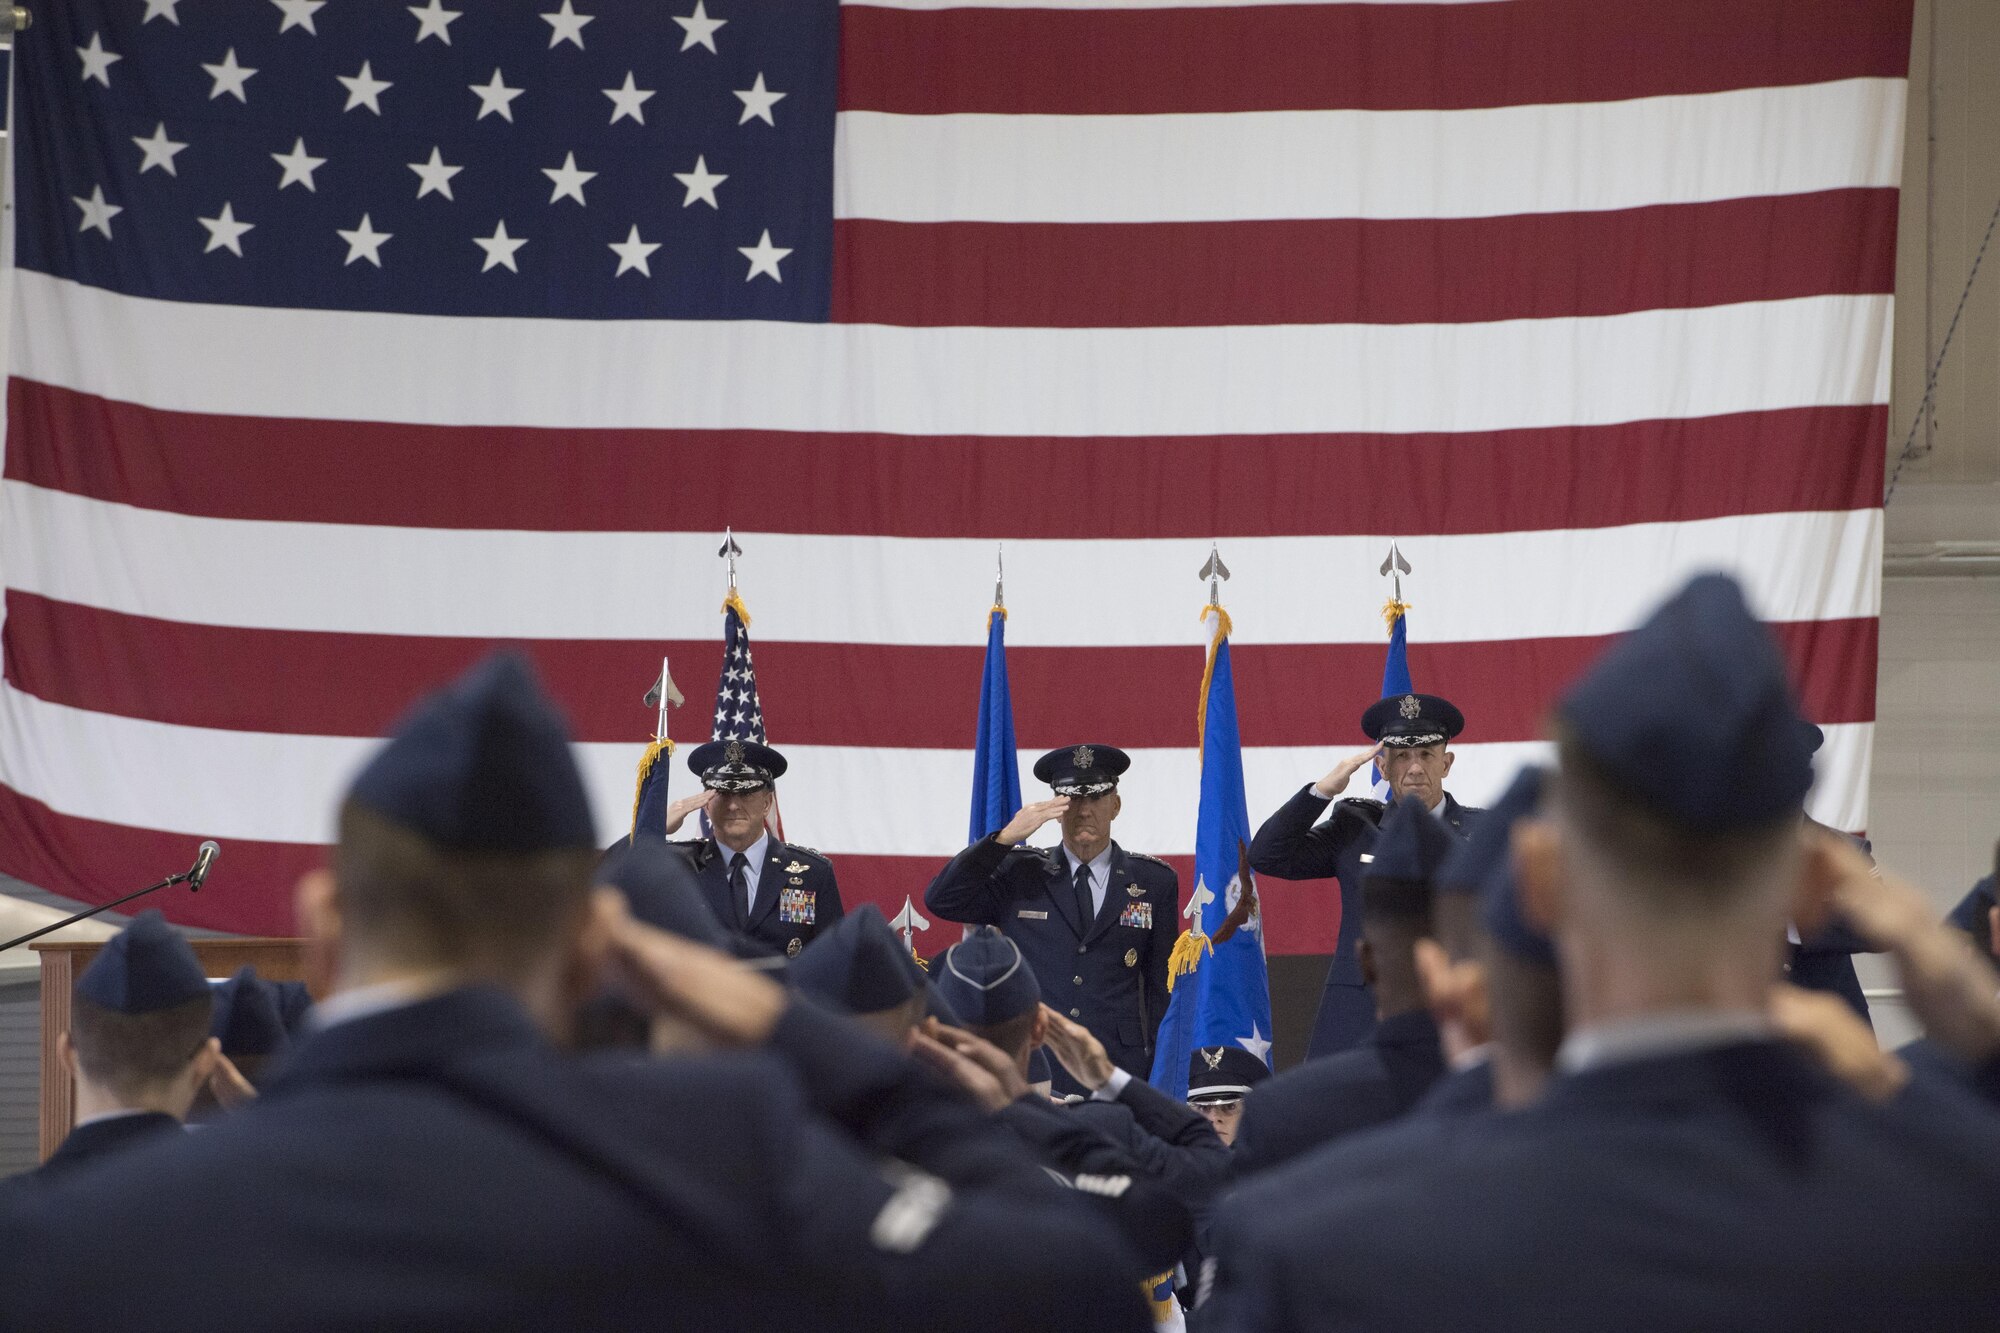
<point x="798" y="907"/>
<point x="1032" y="916"/>
<point x="1137" y="914"/>
<point x="1367" y="858"/>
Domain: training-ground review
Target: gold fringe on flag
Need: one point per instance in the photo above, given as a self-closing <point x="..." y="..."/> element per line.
<point x="1222" y="629"/>
<point x="1187" y="953"/>
<point x="1393" y="611"/>
<point x="735" y="601"/>
<point x="654" y="752"/>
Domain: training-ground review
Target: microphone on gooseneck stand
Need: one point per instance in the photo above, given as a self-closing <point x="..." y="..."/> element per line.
<point x="193" y="878"/>
<point x="204" y="857"/>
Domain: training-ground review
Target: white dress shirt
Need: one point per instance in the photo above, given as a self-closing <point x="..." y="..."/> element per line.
<point x="1649" y="1036"/>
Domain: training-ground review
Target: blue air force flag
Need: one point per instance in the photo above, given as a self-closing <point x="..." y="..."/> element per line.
<point x="1221" y="989"/>
<point x="996" y="772"/>
<point x="1395" y="679"/>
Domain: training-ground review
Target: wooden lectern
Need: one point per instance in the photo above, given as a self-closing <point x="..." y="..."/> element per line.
<point x="275" y="960"/>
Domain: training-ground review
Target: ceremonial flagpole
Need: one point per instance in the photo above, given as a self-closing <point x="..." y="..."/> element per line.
<point x="1396" y="665"/>
<point x="1217" y="979"/>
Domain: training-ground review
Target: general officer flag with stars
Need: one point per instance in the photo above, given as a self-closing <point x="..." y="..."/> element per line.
<point x="1225" y="1000"/>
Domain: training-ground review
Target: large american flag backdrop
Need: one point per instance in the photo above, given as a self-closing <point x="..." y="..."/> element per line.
<point x="350" y="338"/>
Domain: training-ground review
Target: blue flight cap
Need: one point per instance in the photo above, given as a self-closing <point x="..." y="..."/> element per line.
<point x="145" y="967"/>
<point x="661" y="890"/>
<point x="1499" y="893"/>
<point x="1411" y="844"/>
<point x="1411" y="721"/>
<point x="247" y="1019"/>
<point x="986" y="980"/>
<point x="483" y="765"/>
<point x="1223" y="1073"/>
<point x="736" y="765"/>
<point x="1082" y="770"/>
<point x="1692" y="716"/>
<point x="1465" y="869"/>
<point x="295" y="1004"/>
<point x="856" y="965"/>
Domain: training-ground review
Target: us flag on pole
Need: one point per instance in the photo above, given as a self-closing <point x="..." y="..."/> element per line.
<point x="351" y="337"/>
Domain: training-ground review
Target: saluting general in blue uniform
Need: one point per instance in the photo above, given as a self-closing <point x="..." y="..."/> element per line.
<point x="1413" y="733"/>
<point x="778" y="894"/>
<point x="1096" y="922"/>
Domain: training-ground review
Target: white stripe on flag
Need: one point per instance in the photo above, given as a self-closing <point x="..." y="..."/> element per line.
<point x="622" y="585"/>
<point x="327" y="365"/>
<point x="1489" y="162"/>
<point x="283" y="788"/>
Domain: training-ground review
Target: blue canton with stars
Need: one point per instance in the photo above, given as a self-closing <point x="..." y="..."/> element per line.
<point x="586" y="159"/>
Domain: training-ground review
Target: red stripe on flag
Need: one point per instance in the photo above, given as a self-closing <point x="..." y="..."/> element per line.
<point x="250" y="891"/>
<point x="1358" y="56"/>
<point x="1364" y="271"/>
<point x="1808" y="459"/>
<point x="836" y="694"/>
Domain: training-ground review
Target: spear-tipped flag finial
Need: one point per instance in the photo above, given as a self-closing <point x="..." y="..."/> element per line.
<point x="1394" y="565"/>
<point x="999" y="578"/>
<point x="729" y="551"/>
<point x="1215" y="572"/>
<point x="907" y="922"/>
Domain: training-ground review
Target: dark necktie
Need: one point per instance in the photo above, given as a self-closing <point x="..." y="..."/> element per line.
<point x="1085" y="910"/>
<point x="739" y="888"/>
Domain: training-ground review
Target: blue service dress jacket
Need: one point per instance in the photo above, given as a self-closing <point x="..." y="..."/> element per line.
<point x="438" y="1166"/>
<point x="1289" y="845"/>
<point x="1737" y="1187"/>
<point x="1108" y="973"/>
<point x="1332" y="1096"/>
<point x="797" y="896"/>
<point x="1464" y="1091"/>
<point x="88" y="1145"/>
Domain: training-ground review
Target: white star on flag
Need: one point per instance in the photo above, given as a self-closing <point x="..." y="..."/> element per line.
<point x="96" y="213"/>
<point x="763" y="257"/>
<point x="162" y="9"/>
<point x="159" y="151"/>
<point x="97" y="61"/>
<point x="1256" y="1044"/>
<point x="758" y="101"/>
<point x="495" y="97"/>
<point x="567" y="26"/>
<point x="435" y="175"/>
<point x="229" y="77"/>
<point x="434" y="20"/>
<point x="568" y="179"/>
<point x="499" y="247"/>
<point x="364" y="89"/>
<point x="225" y="232"/>
<point x="364" y="242"/>
<point x="700" y="28"/>
<point x="299" y="166"/>
<point x="628" y="101"/>
<point x="633" y="253"/>
<point x="700" y="183"/>
<point x="299" y="14"/>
